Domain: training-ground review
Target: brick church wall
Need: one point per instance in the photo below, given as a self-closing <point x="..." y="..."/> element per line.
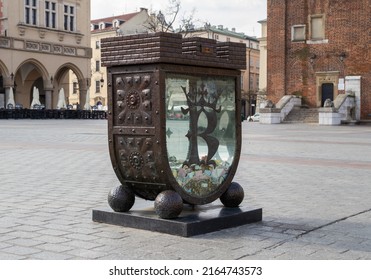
<point x="348" y="31"/>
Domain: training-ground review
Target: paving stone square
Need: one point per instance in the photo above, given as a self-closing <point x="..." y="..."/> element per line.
<point x="313" y="183"/>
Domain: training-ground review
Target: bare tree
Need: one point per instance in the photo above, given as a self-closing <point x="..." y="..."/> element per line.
<point x="164" y="21"/>
<point x="187" y="23"/>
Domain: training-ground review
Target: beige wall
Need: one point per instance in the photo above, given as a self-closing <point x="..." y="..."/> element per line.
<point x="98" y="93"/>
<point x="134" y="25"/>
<point x="250" y="76"/>
<point x="44" y="56"/>
<point x="263" y="56"/>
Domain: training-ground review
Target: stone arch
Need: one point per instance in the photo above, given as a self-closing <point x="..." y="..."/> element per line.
<point x="3" y="69"/>
<point x="64" y="78"/>
<point x="37" y="64"/>
<point x="63" y="69"/>
<point x="4" y="82"/>
<point x="26" y="74"/>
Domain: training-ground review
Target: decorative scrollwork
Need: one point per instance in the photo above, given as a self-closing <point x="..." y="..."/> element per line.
<point x="136" y="160"/>
<point x="133" y="100"/>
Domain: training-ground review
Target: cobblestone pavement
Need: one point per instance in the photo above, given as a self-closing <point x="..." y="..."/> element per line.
<point x="313" y="183"/>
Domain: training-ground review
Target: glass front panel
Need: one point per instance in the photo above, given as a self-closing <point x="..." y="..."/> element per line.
<point x="201" y="130"/>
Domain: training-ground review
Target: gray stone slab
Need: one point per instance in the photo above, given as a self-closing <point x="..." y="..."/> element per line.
<point x="200" y="220"/>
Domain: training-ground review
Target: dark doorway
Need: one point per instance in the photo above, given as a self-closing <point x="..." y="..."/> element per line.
<point x="243" y="109"/>
<point x="2" y="89"/>
<point x="327" y="92"/>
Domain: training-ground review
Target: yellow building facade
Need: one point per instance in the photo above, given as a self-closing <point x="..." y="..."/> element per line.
<point x="42" y="44"/>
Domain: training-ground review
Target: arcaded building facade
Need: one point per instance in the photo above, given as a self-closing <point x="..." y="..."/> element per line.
<point x="41" y="43"/>
<point x="318" y="49"/>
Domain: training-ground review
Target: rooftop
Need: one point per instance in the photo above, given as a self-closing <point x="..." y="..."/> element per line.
<point x="109" y="21"/>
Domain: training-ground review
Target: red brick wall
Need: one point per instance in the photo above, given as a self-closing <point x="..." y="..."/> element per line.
<point x="347" y="28"/>
<point x="276" y="33"/>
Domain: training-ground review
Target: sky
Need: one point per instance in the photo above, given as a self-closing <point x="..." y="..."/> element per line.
<point x="240" y="14"/>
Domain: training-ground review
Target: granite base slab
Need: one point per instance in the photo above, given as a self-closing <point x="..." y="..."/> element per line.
<point x="194" y="220"/>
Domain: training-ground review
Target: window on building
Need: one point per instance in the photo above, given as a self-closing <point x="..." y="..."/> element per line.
<point x="298" y="33"/>
<point x="30" y="12"/>
<point x="116" y="24"/>
<point x="97" y="86"/>
<point x="228" y="39"/>
<point x="97" y="44"/>
<point x="317" y="27"/>
<point x="50" y="14"/>
<point x="75" y="87"/>
<point x="69" y="18"/>
<point x="216" y="37"/>
<point x="251" y="61"/>
<point x="251" y="81"/>
<point x="97" y="65"/>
